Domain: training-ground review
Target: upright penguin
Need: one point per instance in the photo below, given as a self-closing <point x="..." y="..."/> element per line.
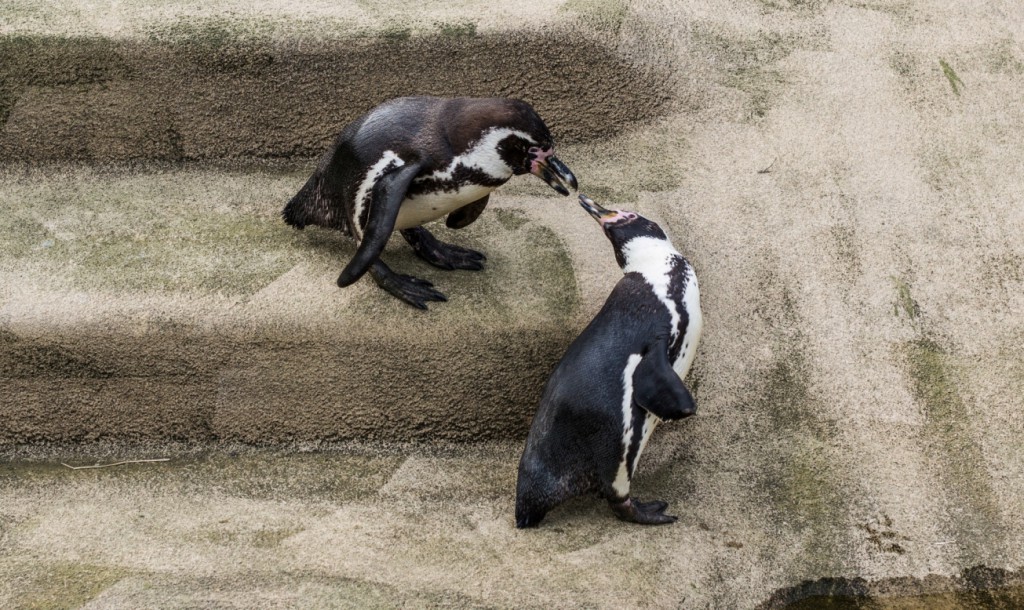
<point x="618" y="380"/>
<point x="412" y="160"/>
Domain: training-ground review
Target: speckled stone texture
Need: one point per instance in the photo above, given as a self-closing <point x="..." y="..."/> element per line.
<point x="844" y="176"/>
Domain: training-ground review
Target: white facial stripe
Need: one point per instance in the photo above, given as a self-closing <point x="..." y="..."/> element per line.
<point x="363" y="193"/>
<point x="483" y="155"/>
<point x="621" y="483"/>
<point x="691" y="300"/>
<point x="652" y="258"/>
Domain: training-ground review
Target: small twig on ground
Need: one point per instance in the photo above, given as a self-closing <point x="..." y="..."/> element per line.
<point x="115" y="463"/>
<point x="769" y="168"/>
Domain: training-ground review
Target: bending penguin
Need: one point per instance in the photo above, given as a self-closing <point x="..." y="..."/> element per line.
<point x="617" y="381"/>
<point x="415" y="159"/>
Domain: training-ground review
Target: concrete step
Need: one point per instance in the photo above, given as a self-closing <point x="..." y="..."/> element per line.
<point x="180" y="83"/>
<point x="147" y="295"/>
<point x="178" y="305"/>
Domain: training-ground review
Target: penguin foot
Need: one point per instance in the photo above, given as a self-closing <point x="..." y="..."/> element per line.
<point x="645" y="513"/>
<point x="412" y="290"/>
<point x="440" y="254"/>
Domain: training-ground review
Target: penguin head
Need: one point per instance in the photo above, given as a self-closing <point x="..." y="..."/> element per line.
<point x="530" y="149"/>
<point x="621" y="226"/>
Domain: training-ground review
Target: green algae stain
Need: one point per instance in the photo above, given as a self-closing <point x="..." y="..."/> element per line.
<point x="212" y="32"/>
<point x="263" y="538"/>
<point x="511" y="220"/>
<point x="395" y="33"/>
<point x="903" y="64"/>
<point x="747" y="64"/>
<point x="541" y="265"/>
<point x="143" y="234"/>
<point x="800" y="482"/>
<point x="798" y="474"/>
<point x="456" y="29"/>
<point x="935" y="384"/>
<point x="846" y="251"/>
<point x="905" y="304"/>
<point x="951" y="76"/>
<point x="794" y="5"/>
<point x="1004" y="59"/>
<point x="602" y="14"/>
<point x="66" y="585"/>
<point x="207" y="252"/>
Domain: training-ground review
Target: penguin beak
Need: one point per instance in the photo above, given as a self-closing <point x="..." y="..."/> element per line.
<point x="600" y="214"/>
<point x="555" y="173"/>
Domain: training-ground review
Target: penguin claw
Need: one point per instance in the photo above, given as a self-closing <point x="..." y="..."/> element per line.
<point x="644" y="513"/>
<point x="417" y="294"/>
<point x="440" y="254"/>
<point x="412" y="290"/>
<point x="656" y="506"/>
<point x="419" y="298"/>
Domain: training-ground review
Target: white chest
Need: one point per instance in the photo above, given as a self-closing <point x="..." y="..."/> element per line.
<point x="426" y="207"/>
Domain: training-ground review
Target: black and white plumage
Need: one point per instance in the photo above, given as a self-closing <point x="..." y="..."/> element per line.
<point x="617" y="381"/>
<point x="413" y="160"/>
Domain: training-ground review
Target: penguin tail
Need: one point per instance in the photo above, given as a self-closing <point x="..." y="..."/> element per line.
<point x="528" y="517"/>
<point x="296" y="211"/>
<point x="532" y="501"/>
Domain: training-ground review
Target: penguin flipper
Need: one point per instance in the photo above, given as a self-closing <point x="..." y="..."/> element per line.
<point x="658" y="389"/>
<point x="388" y="193"/>
<point x="467" y="214"/>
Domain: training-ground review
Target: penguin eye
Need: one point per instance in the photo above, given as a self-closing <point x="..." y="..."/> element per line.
<point x="539" y="151"/>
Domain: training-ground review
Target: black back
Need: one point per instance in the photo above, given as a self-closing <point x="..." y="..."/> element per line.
<point x="430" y="130"/>
<point x="578" y="427"/>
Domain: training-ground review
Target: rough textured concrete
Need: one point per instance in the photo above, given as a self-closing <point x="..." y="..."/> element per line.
<point x="845" y="177"/>
<point x="162" y="294"/>
<point x="389" y="526"/>
<point x="174" y="94"/>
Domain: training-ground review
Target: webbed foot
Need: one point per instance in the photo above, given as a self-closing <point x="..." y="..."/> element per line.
<point x="412" y="290"/>
<point x="645" y="513"/>
<point x="440" y="254"/>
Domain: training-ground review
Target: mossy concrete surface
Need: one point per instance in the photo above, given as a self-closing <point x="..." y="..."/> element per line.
<point x="184" y="300"/>
<point x="376" y="525"/>
<point x="854" y="222"/>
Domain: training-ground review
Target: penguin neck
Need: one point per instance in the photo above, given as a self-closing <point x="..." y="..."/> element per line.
<point x="482" y="153"/>
<point x="661" y="266"/>
<point x="649" y="256"/>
